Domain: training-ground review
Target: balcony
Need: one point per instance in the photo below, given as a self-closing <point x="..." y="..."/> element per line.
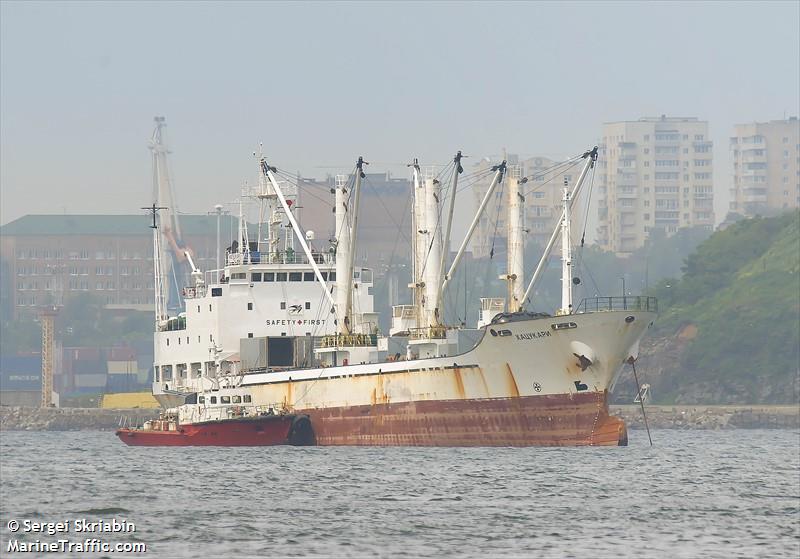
<point x="754" y="198"/>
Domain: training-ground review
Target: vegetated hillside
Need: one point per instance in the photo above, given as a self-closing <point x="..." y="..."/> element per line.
<point x="729" y="329"/>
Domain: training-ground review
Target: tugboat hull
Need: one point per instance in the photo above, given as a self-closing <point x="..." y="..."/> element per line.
<point x="259" y="431"/>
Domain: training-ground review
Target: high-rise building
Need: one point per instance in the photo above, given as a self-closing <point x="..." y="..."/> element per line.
<point x="543" y="192"/>
<point x="766" y="167"/>
<point x="655" y="173"/>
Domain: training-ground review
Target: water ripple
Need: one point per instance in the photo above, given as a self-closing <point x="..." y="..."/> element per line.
<point x="695" y="494"/>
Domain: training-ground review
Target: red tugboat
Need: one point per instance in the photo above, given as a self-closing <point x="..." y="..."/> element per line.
<point x="221" y="418"/>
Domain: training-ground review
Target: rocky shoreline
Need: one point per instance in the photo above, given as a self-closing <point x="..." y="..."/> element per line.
<point x="17" y="418"/>
<point x="710" y="417"/>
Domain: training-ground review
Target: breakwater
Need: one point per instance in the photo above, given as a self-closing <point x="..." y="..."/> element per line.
<point x="19" y="418"/>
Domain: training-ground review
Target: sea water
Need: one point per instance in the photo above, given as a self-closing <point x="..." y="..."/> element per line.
<point x="693" y="494"/>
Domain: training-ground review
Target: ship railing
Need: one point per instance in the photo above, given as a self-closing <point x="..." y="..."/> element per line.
<point x="624" y="303"/>
<point x="278" y="257"/>
<point x="428" y="333"/>
<point x="201" y="412"/>
<point x="346" y="340"/>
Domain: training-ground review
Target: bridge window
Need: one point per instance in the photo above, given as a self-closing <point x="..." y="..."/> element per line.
<point x="216" y="292"/>
<point x="213" y="399"/>
<point x="247" y="398"/>
<point x="201" y="400"/>
<point x="308" y="276"/>
<point x="236" y="399"/>
<point x="255" y="276"/>
<point x="280" y="276"/>
<point x="249" y="306"/>
<point x="269" y="276"/>
<point x="295" y="276"/>
<point x="308" y="306"/>
<point x="225" y="399"/>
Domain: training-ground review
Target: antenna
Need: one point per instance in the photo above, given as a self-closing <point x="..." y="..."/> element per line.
<point x="153" y="210"/>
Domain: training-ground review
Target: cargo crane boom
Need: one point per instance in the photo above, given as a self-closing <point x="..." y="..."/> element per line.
<point x="175" y="269"/>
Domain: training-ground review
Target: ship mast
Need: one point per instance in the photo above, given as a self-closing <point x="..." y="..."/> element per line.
<point x="419" y="222"/>
<point x="158" y="283"/>
<point x="268" y="172"/>
<point x="344" y="282"/>
<point x="342" y="248"/>
<point x="563" y="225"/>
<point x="566" y="252"/>
<point x="516" y="244"/>
<point x="433" y="248"/>
<point x="268" y="212"/>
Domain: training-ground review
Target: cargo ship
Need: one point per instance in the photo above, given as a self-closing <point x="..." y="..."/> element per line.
<point x="298" y="327"/>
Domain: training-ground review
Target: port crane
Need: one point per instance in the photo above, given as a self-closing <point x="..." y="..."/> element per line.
<point x="175" y="266"/>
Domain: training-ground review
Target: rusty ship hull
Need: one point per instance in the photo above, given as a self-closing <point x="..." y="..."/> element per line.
<point x="535" y="382"/>
<point x="554" y="420"/>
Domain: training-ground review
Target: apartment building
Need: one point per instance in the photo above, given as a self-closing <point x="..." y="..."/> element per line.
<point x="654" y="173"/>
<point x="766" y="167"/>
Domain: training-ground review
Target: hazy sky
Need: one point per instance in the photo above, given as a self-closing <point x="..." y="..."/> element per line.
<point x="321" y="83"/>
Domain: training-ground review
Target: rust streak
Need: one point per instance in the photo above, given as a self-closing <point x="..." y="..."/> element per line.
<point x="289" y="401"/>
<point x="483" y="380"/>
<point x="512" y="382"/>
<point x="459" y="383"/>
